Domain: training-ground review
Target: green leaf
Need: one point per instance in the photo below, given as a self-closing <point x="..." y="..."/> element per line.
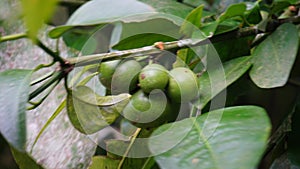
<point x="227" y="26"/>
<point x="14" y="85"/>
<point x="230" y="138"/>
<point x="36" y="12"/>
<point x="209" y="28"/>
<point x="24" y="161"/>
<point x="103" y="162"/>
<point x="169" y="7"/>
<point x="252" y="14"/>
<point x="273" y="59"/>
<point x="86" y="95"/>
<point x="232" y="11"/>
<point x="133" y="35"/>
<point x="89" y="112"/>
<point x="98" y="12"/>
<point x="290" y="1"/>
<point x="197" y="3"/>
<point x="192" y="21"/>
<point x="78" y="38"/>
<point x="212" y="82"/>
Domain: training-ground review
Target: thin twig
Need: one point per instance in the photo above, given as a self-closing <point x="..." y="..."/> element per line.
<point x="57" y="76"/>
<point x="136" y="133"/>
<point x="159" y="46"/>
<point x="41" y="79"/>
<point x="13" y="37"/>
<point x="36" y="104"/>
<point x="53" y="54"/>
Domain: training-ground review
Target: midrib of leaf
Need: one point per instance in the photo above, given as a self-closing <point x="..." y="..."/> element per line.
<point x="207" y="145"/>
<point x="146" y="162"/>
<point x="275" y="53"/>
<point x="20" y="108"/>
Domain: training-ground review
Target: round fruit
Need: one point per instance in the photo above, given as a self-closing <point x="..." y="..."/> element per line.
<point x="125" y="78"/>
<point x="107" y="70"/>
<point x="147" y="111"/>
<point x="183" y="85"/>
<point x="152" y="77"/>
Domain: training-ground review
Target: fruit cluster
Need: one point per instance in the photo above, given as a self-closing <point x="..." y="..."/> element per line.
<point x="157" y="92"/>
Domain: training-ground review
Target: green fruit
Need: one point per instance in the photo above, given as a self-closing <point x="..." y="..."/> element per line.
<point x="183" y="85"/>
<point x="147" y="111"/>
<point x="107" y="70"/>
<point x="152" y="77"/>
<point x="125" y="78"/>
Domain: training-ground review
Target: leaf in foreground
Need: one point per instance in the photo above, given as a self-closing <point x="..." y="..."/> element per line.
<point x="14" y="85"/>
<point x="236" y="141"/>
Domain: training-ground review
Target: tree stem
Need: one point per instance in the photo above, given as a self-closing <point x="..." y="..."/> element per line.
<point x="53" y="54"/>
<point x="159" y="46"/>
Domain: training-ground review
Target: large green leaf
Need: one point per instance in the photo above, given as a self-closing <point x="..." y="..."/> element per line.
<point x="273" y="59"/>
<point x="24" y="161"/>
<point x="211" y="83"/>
<point x="14" y="85"/>
<point x="89" y="112"/>
<point x="36" y="12"/>
<point x="98" y="12"/>
<point x="234" y="138"/>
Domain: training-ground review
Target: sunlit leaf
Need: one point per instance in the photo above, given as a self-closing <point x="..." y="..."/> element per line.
<point x="273" y="59"/>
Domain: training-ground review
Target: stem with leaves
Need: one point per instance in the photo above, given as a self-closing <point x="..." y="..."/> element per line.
<point x="67" y="65"/>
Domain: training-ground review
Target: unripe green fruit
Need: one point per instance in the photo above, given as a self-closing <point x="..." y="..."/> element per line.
<point x="125" y="78"/>
<point x="152" y="77"/>
<point x="107" y="69"/>
<point x="147" y="111"/>
<point x="183" y="85"/>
